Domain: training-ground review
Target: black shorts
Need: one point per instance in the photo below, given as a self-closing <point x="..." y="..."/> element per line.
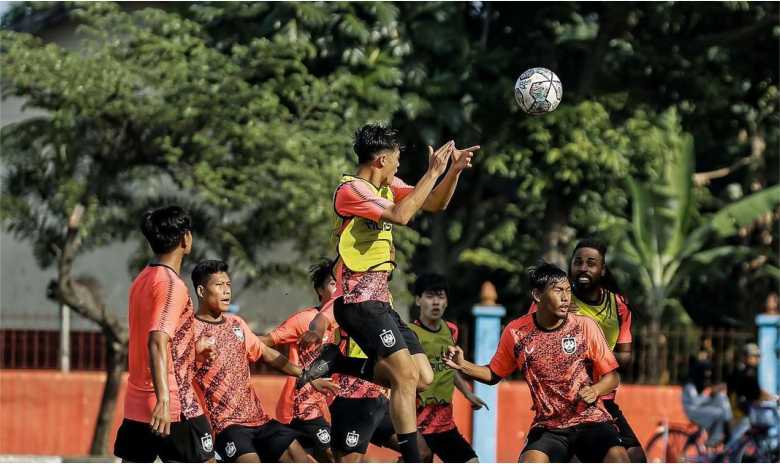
<point x="356" y="422"/>
<point x="589" y="442"/>
<point x="315" y="433"/>
<point x="450" y="446"/>
<point x="190" y="441"/>
<point x="269" y="441"/>
<point x="627" y="434"/>
<point x="376" y="327"/>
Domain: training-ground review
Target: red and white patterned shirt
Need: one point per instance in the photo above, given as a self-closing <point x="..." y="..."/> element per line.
<point x="225" y="382"/>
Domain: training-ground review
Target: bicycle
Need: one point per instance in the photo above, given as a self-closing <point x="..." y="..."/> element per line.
<point x="688" y="442"/>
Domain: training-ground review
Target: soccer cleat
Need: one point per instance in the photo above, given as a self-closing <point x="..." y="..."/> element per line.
<point x="320" y="367"/>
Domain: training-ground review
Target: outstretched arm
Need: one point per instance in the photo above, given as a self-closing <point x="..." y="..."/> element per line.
<point x="453" y="358"/>
<point x="403" y="211"/>
<point x="440" y="197"/>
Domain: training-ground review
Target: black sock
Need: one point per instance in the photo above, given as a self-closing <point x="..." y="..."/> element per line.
<point x="408" y="444"/>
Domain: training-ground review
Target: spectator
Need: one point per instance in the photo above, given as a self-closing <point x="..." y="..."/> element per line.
<point x="710" y="409"/>
<point x="771" y="305"/>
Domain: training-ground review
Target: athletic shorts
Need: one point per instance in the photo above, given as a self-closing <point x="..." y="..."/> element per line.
<point x="356" y="422"/>
<point x="627" y="434"/>
<point x="589" y="442"/>
<point x="315" y="433"/>
<point x="376" y="327"/>
<point x="190" y="441"/>
<point x="269" y="441"/>
<point x="450" y="446"/>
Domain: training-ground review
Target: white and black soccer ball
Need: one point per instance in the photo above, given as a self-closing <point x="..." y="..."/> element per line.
<point x="538" y="91"/>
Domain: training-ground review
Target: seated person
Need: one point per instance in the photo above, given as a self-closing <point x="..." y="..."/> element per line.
<point x="708" y="408"/>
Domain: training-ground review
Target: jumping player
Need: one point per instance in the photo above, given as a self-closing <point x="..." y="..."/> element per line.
<point x="244" y="432"/>
<point x="162" y="415"/>
<point x="434" y="412"/>
<point x="568" y="366"/>
<point x="370" y="203"/>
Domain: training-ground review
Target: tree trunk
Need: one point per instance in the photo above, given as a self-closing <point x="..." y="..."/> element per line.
<point x="86" y="300"/>
<point x="116" y="355"/>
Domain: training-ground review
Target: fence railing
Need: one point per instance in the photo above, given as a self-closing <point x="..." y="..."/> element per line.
<point x="676" y="347"/>
<point x="39" y="349"/>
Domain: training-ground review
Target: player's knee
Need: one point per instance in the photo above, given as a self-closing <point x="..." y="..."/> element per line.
<point x="405" y="375"/>
<point x="616" y="454"/>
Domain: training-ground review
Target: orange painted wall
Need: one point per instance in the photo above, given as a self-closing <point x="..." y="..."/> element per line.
<point x="49" y="413"/>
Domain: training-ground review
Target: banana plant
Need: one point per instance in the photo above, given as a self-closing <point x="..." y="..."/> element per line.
<point x="665" y="241"/>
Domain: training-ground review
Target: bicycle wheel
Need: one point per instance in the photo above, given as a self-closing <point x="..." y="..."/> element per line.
<point x="672" y="446"/>
<point x="751" y="450"/>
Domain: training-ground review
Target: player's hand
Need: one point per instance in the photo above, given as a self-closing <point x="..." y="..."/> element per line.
<point x="325" y="385"/>
<point x="206" y="349"/>
<point x="461" y="159"/>
<point x="308" y="339"/>
<point x="161" y="419"/>
<point x="437" y="160"/>
<point x="453" y="357"/>
<point x="477" y="403"/>
<point x="588" y="394"/>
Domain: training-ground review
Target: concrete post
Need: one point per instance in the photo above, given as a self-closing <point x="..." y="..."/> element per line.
<point x="64" y="338"/>
<point x="769" y="343"/>
<point x="487" y="333"/>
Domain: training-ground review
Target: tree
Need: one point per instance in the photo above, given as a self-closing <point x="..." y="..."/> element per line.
<point x="623" y="67"/>
<point x="665" y="245"/>
<point x="152" y="108"/>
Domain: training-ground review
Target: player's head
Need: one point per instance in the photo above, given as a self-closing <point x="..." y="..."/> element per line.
<point x="212" y="284"/>
<point x="431" y="295"/>
<point x="587" y="267"/>
<point x="378" y="146"/>
<point x="751" y="354"/>
<point x="700" y="374"/>
<point x="550" y="288"/>
<point x="168" y="229"/>
<point x="322" y="279"/>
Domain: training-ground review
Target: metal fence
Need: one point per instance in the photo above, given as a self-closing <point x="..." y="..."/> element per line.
<point x="39" y="349"/>
<point x="676" y="348"/>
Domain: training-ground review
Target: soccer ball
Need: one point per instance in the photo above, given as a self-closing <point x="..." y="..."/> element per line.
<point x="538" y="91"/>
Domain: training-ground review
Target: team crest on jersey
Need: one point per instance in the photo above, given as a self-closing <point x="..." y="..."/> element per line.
<point x="207" y="442"/>
<point x="238" y="332"/>
<point x="352" y="439"/>
<point x="387" y="337"/>
<point x="569" y="345"/>
<point x="230" y="449"/>
<point x="323" y="436"/>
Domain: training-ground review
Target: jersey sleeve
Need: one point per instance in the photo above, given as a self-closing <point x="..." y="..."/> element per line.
<point x="290" y="330"/>
<point x="254" y="347"/>
<point x="454" y="331"/>
<point x="356" y="198"/>
<point x="504" y="361"/>
<point x="168" y="303"/>
<point x="598" y="350"/>
<point x="624" y="315"/>
<point x="400" y="189"/>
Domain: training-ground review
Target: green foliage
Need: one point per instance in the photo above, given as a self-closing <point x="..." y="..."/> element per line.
<point x="252" y="136"/>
